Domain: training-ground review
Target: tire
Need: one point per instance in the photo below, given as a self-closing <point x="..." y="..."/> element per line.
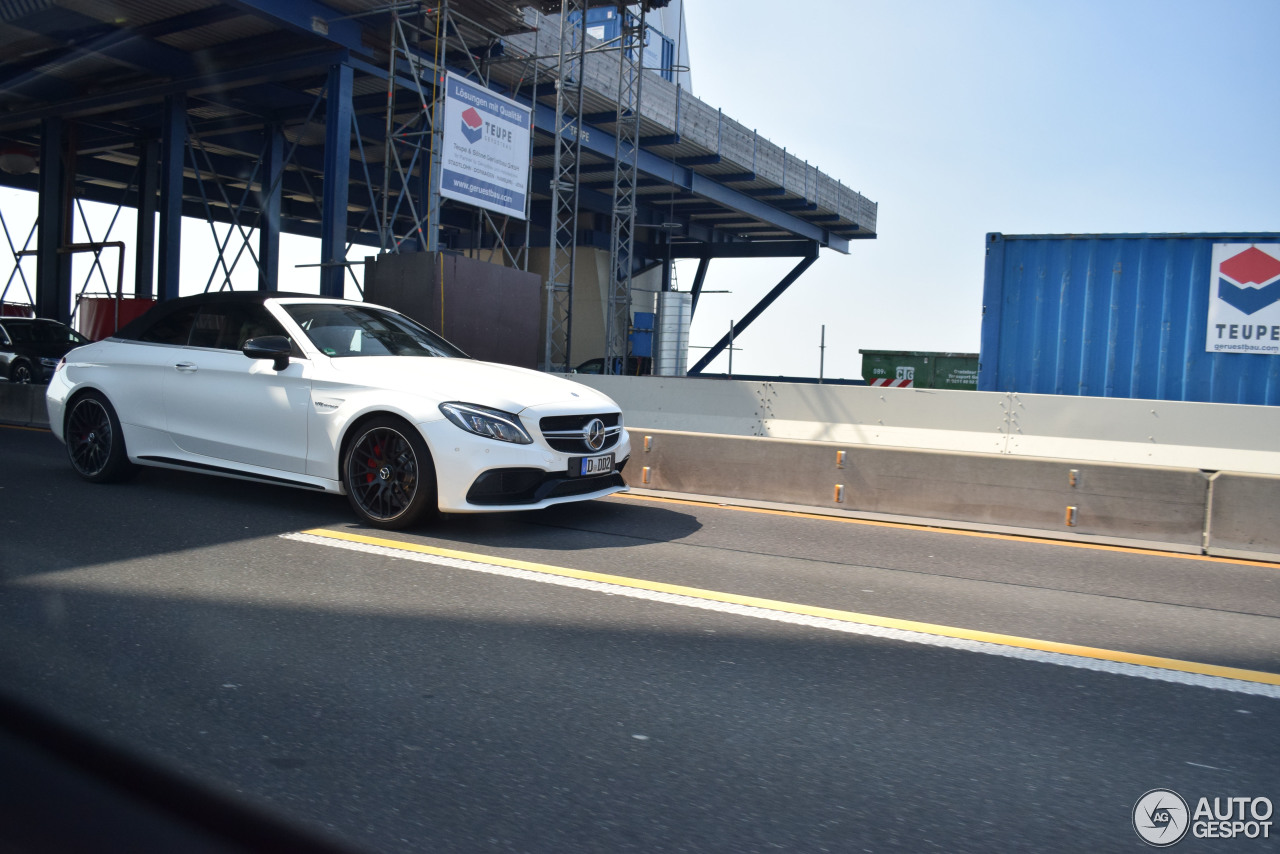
<point x="95" y="442"/>
<point x="388" y="474"/>
<point x="22" y="371"/>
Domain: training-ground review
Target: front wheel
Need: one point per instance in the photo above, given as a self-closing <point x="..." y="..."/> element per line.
<point x="388" y="474"/>
<point x="22" y="371"/>
<point x="95" y="443"/>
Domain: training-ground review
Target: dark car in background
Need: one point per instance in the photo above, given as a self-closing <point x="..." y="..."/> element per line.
<point x="637" y="366"/>
<point x="30" y="348"/>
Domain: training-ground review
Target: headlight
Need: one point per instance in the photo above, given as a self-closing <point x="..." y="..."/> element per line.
<point x="490" y="423"/>
<point x="48" y="362"/>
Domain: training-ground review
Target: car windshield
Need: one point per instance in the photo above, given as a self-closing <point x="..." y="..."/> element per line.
<point x="352" y="330"/>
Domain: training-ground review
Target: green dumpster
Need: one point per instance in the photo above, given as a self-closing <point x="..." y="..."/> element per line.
<point x="920" y="369"/>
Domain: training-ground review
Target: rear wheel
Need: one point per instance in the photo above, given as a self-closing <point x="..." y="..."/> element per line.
<point x="95" y="443"/>
<point x="388" y="474"/>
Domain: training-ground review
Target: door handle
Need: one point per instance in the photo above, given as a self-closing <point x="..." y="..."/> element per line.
<point x="186" y="367"/>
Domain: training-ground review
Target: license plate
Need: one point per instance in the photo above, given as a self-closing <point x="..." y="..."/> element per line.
<point x="587" y="466"/>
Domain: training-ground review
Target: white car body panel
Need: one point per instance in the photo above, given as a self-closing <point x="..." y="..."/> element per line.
<point x="266" y="423"/>
<point x="220" y="411"/>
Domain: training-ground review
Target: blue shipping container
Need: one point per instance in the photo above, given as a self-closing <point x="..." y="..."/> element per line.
<point x="1128" y="315"/>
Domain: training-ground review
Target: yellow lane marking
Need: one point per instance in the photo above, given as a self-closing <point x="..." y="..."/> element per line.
<point x="21" y="427"/>
<point x="814" y="611"/>
<point x="936" y="529"/>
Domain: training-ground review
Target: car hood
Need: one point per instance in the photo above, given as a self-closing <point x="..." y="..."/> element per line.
<point x="489" y="384"/>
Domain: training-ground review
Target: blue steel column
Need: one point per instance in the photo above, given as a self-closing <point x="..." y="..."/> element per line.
<point x="337" y="173"/>
<point x="144" y="261"/>
<point x="271" y="176"/>
<point x="173" y="145"/>
<point x="53" y="268"/>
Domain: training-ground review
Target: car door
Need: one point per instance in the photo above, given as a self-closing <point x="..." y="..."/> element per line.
<point x="231" y="409"/>
<point x="131" y="374"/>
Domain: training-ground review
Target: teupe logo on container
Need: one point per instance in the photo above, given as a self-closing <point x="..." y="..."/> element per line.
<point x="472" y="124"/>
<point x="1244" y="299"/>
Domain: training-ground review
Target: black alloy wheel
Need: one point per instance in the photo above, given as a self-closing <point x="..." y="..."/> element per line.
<point x="388" y="474"/>
<point x="21" y="371"/>
<point x="95" y="443"/>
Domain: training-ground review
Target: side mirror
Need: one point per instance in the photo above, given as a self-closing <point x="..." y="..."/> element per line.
<point x="274" y="347"/>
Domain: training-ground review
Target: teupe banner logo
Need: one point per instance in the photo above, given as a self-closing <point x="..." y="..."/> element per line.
<point x="1239" y="273"/>
<point x="472" y="125"/>
<point x="1244" y="299"/>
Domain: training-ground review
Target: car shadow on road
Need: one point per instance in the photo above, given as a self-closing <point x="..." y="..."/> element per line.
<point x="603" y="523"/>
<point x="55" y="521"/>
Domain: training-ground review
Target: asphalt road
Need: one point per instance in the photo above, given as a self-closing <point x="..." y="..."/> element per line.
<point x="403" y="705"/>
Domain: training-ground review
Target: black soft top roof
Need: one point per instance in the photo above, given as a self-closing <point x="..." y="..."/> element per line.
<point x="131" y="330"/>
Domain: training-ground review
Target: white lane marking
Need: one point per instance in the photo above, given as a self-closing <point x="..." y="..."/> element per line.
<point x="1118" y="668"/>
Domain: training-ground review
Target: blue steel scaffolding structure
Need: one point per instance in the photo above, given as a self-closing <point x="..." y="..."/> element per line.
<point x="317" y="119"/>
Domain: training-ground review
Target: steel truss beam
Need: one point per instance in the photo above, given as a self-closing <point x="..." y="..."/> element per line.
<point x="738" y="328"/>
<point x="754" y="249"/>
<point x="652" y="165"/>
<point x="192" y="87"/>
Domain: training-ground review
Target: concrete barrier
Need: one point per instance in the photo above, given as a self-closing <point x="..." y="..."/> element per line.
<point x="1244" y="516"/>
<point x="1148" y="505"/>
<point x="1209" y="436"/>
<point x="1195" y="477"/>
<point x="23" y="405"/>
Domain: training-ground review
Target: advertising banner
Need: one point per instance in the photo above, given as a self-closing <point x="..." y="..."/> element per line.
<point x="1244" y="299"/>
<point x="485" y="161"/>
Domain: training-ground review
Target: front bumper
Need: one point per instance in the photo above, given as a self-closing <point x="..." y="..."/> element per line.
<point x="479" y="475"/>
<point x="55" y="401"/>
<point x="525" y="486"/>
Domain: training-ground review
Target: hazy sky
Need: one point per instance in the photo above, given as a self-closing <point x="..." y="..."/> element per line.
<point x="958" y="118"/>
<point x="962" y="118"/>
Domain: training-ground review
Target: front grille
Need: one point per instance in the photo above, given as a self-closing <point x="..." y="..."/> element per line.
<point x="506" y="486"/>
<point x="567" y="433"/>
<point x="583" y="485"/>
<point x="529" y="486"/>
